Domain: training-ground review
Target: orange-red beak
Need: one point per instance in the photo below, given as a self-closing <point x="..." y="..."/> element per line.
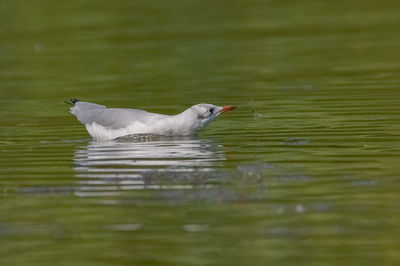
<point x="227" y="108"/>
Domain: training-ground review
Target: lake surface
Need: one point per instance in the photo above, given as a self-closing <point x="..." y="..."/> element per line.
<point x="304" y="172"/>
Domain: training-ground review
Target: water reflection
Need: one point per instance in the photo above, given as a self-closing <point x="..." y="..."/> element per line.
<point x="145" y="162"/>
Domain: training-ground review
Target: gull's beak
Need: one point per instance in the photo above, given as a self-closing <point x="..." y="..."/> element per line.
<point x="227" y="108"/>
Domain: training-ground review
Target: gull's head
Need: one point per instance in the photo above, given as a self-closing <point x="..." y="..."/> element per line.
<point x="201" y="114"/>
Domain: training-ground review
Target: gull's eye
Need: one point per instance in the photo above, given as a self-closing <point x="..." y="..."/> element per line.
<point x="211" y="110"/>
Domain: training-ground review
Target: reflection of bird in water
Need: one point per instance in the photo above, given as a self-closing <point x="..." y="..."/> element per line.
<point x="109" y="123"/>
<point x="146" y="162"/>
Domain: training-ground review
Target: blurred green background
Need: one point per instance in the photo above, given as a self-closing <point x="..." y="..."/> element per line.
<point x="304" y="172"/>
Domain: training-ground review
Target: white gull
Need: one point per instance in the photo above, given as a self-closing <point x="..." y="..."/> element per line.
<point x="104" y="123"/>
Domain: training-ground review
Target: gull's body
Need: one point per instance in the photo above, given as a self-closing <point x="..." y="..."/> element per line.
<point x="104" y="123"/>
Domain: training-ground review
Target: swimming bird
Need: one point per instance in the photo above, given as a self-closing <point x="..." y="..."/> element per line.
<point x="104" y="123"/>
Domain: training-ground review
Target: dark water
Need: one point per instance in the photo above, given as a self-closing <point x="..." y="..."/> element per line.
<point x="304" y="172"/>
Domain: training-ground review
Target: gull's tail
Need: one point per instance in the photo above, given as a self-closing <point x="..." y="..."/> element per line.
<point x="72" y="101"/>
<point x="85" y="112"/>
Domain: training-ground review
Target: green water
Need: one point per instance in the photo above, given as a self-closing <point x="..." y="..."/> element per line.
<point x="304" y="172"/>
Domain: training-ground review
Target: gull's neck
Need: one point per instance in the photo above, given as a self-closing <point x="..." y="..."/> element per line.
<point x="184" y="123"/>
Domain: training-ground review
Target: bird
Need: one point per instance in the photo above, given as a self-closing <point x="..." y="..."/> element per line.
<point x="104" y="123"/>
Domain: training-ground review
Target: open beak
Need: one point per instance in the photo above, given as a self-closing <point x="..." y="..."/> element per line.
<point x="227" y="108"/>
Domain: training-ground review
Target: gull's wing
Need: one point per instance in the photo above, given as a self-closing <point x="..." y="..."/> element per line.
<point x="113" y="118"/>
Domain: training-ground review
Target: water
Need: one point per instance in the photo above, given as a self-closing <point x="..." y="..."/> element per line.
<point x="304" y="172"/>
